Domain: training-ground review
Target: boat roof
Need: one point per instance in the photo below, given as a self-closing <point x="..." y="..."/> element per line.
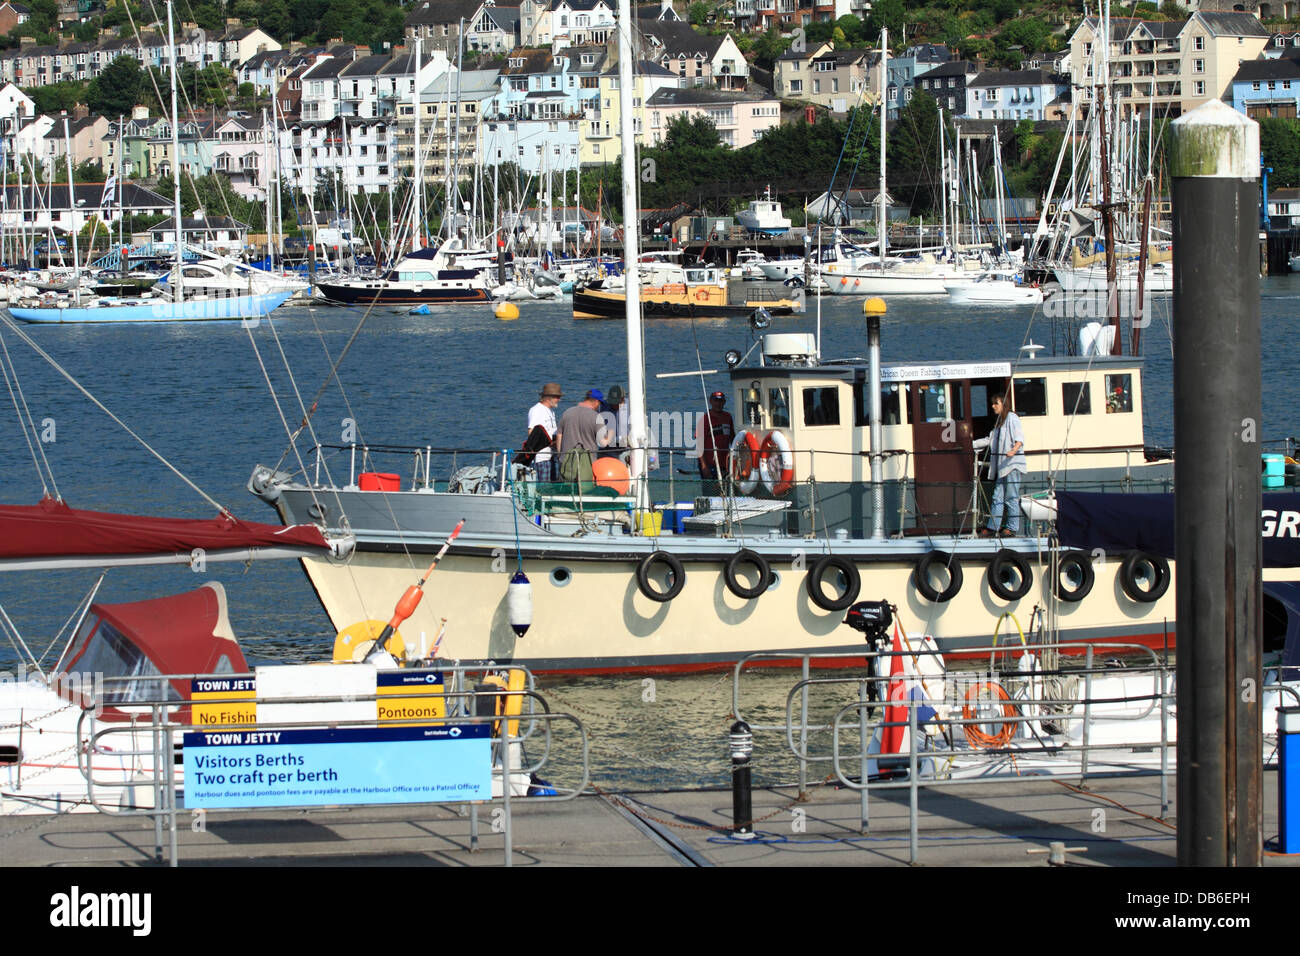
<point x="846" y="368"/>
<point x="182" y="634"/>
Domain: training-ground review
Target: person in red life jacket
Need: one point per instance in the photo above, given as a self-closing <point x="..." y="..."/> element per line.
<point x="713" y="437"/>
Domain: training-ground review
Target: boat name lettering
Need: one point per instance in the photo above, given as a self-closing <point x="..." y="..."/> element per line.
<point x="908" y="373"/>
<point x="1281" y="524"/>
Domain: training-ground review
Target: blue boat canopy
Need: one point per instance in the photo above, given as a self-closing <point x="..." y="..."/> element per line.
<point x="1121" y="522"/>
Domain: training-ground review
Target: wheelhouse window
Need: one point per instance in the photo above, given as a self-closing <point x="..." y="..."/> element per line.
<point x="779" y="407"/>
<point x="1029" y="396"/>
<point x="1119" y="393"/>
<point x="893" y="398"/>
<point x="1076" y="398"/>
<point x="821" y="406"/>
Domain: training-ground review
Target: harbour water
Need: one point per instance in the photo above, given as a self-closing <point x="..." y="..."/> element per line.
<point x="456" y="378"/>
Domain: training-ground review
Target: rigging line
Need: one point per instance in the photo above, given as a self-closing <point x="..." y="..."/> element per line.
<point x="311" y="430"/>
<point x="334" y="368"/>
<point x="24" y="421"/>
<point x="9" y="321"/>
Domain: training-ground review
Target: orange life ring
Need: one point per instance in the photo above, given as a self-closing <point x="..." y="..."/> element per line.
<point x="702" y="295"/>
<point x="844" y="282"/>
<point x="776" y="463"/>
<point x="744" y="457"/>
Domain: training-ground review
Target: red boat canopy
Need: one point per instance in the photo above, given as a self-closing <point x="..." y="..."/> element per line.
<point x="51" y="533"/>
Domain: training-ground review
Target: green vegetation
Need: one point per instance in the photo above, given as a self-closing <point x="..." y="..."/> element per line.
<point x="1279" y="147"/>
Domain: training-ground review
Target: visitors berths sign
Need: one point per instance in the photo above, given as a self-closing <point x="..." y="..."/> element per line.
<point x="333" y="766"/>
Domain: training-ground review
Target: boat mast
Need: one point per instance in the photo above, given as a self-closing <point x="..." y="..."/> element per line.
<point x="636" y="401"/>
<point x="72" y="214"/>
<point x="417" y="168"/>
<point x="179" y="293"/>
<point x="881" y="241"/>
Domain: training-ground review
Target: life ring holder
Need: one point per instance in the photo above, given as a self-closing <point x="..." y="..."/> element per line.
<point x="921" y="574"/>
<point x="778" y="477"/>
<point x="1073" y="560"/>
<point x="813" y="582"/>
<point x="743" y="456"/>
<point x="675" y="569"/>
<point x="702" y="295"/>
<point x="732" y="579"/>
<point x="1004" y="558"/>
<point x="1128" y="576"/>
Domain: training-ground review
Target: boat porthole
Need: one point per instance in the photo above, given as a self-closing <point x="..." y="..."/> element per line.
<point x="1009" y="575"/>
<point x="676" y="576"/>
<point x="1074" y="576"/>
<point x="941" y="561"/>
<point x="318" y="511"/>
<point x="774" y="580"/>
<point x="1144" y="577"/>
<point x="847" y="582"/>
<point x="561" y="576"/>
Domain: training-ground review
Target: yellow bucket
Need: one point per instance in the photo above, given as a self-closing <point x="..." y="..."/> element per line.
<point x="650" y="523"/>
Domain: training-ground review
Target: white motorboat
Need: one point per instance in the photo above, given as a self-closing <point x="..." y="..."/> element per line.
<point x="993" y="288"/>
<point x="763" y="216"/>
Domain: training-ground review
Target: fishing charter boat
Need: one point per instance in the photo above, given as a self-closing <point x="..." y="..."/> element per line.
<point x="685" y="576"/>
<point x="847" y="477"/>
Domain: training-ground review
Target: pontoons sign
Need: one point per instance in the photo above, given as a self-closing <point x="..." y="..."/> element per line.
<point x="914" y="373"/>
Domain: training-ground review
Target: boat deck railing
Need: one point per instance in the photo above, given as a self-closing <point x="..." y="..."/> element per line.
<point x="674" y="486"/>
<point x="148" y="725"/>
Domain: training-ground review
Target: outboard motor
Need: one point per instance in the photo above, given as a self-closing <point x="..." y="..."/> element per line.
<point x="873" y="619"/>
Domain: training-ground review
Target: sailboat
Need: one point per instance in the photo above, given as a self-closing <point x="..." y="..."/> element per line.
<point x="180" y="307"/>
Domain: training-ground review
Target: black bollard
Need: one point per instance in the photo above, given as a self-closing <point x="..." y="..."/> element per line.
<point x="742" y="806"/>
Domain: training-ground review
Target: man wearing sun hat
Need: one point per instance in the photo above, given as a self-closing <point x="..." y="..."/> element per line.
<point x="543" y="414"/>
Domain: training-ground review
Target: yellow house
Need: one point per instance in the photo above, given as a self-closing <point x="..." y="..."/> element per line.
<point x="599" y="137"/>
<point x="1172" y="66"/>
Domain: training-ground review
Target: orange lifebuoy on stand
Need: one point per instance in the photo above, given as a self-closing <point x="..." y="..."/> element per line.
<point x="744" y="457"/>
<point x="702" y="295"/>
<point x="776" y="463"/>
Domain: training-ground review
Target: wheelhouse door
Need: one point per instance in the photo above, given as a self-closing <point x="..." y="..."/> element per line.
<point x="941" y="443"/>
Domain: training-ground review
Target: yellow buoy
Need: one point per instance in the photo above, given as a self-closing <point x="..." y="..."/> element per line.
<point x="874" y="306"/>
<point x="506" y="311"/>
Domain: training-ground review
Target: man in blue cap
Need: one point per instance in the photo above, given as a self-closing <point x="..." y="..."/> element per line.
<point x="581" y="436"/>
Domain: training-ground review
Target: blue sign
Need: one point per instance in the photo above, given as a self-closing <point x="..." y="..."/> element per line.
<point x="328" y="767"/>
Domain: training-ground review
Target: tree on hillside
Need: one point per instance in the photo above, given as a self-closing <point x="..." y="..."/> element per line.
<point x="889" y="14"/>
<point x="56" y="97"/>
<point x="117" y="88"/>
<point x="1279" y="147"/>
<point x="912" y="153"/>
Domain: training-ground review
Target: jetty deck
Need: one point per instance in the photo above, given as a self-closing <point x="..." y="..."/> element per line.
<point x="1116" y="819"/>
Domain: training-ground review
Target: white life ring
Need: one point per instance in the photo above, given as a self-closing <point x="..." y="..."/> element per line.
<point x="776" y="463"/>
<point x="744" y="461"/>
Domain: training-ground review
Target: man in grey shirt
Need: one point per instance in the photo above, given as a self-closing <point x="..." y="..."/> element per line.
<point x="581" y="435"/>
